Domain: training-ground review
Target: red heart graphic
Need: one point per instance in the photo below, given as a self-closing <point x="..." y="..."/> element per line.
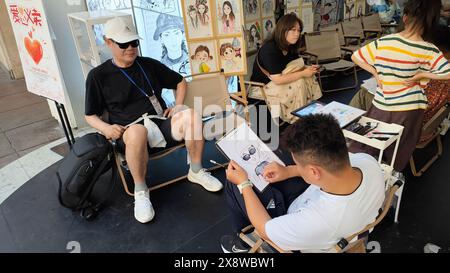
<point x="34" y="48"/>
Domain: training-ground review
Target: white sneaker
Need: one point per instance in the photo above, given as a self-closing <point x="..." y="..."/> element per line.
<point x="204" y="178"/>
<point x="143" y="209"/>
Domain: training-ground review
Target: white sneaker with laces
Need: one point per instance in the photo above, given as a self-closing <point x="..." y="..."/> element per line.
<point x="204" y="178"/>
<point x="143" y="209"/>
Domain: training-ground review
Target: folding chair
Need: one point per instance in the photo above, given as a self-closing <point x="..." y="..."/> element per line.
<point x="215" y="106"/>
<point x="371" y="23"/>
<point x="344" y="40"/>
<point x="356" y="243"/>
<point x="433" y="128"/>
<point x="324" y="48"/>
<point x="353" y="28"/>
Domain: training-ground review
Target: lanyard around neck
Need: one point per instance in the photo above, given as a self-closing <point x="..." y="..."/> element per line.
<point x="133" y="82"/>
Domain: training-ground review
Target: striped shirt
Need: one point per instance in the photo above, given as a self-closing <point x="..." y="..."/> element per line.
<point x="397" y="59"/>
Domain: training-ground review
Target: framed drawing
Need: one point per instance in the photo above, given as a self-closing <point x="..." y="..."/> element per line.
<point x="360" y="8"/>
<point x="232" y="59"/>
<point x="251" y="9"/>
<point x="255" y="36"/>
<point x="267" y="8"/>
<point x="229" y="16"/>
<point x="268" y="27"/>
<point x="197" y="14"/>
<point x="203" y="57"/>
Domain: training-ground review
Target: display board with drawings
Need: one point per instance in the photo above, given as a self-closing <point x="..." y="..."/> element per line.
<point x="259" y="22"/>
<point x="214" y="36"/>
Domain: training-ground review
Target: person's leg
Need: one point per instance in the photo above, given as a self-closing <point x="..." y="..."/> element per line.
<point x="187" y="125"/>
<point x="136" y="154"/>
<point x="412" y="123"/>
<point x="135" y="139"/>
<point x="271" y="199"/>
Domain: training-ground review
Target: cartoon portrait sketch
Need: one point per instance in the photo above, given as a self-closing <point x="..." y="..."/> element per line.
<point x="228" y="16"/>
<point x="203" y="11"/>
<point x="198" y="20"/>
<point x="251" y="9"/>
<point x="268" y="8"/>
<point x="252" y="155"/>
<point x="254" y="40"/>
<point x="230" y="55"/>
<point x="325" y="12"/>
<point x="203" y="57"/>
<point x="269" y="26"/>
<point x="349" y="9"/>
<point x="170" y="32"/>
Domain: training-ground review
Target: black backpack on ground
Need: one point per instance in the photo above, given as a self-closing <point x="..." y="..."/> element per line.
<point x="79" y="171"/>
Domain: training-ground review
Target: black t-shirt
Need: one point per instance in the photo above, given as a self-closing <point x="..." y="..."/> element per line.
<point x="271" y="58"/>
<point x="107" y="88"/>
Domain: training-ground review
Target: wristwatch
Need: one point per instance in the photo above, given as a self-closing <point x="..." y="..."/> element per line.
<point x="244" y="185"/>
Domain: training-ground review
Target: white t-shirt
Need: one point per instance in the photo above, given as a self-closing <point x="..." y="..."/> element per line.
<point x="317" y="220"/>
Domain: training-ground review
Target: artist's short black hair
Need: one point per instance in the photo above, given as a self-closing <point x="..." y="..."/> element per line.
<point x="317" y="139"/>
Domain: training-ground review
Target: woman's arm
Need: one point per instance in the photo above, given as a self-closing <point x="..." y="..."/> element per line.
<point x="426" y="75"/>
<point x="368" y="68"/>
<point x="291" y="77"/>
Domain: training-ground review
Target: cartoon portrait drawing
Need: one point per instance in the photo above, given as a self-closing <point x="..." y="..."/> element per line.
<point x="170" y="32"/>
<point x="253" y="158"/>
<point x="198" y="18"/>
<point x="202" y="58"/>
<point x="268" y="28"/>
<point x="202" y="11"/>
<point x="230" y="54"/>
<point x="268" y="8"/>
<point x="251" y="9"/>
<point x="254" y="36"/>
<point x="192" y="17"/>
<point x="228" y="17"/>
<point x="325" y="12"/>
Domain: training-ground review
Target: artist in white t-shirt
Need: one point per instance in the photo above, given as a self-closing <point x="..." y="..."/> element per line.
<point x="345" y="193"/>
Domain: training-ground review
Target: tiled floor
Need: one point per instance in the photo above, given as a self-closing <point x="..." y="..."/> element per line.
<point x="27" y="134"/>
<point x="25" y="121"/>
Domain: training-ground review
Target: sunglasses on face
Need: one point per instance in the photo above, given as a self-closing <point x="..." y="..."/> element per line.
<point x="251" y="151"/>
<point x="134" y="43"/>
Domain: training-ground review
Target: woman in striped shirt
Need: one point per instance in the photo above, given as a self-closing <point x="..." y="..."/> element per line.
<point x="403" y="63"/>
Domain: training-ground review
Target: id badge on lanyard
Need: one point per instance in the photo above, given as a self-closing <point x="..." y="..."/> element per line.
<point x="153" y="99"/>
<point x="155" y="102"/>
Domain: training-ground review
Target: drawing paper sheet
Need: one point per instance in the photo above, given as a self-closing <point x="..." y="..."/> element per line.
<point x="244" y="147"/>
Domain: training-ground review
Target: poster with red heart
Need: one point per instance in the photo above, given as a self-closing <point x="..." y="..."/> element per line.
<point x="37" y="53"/>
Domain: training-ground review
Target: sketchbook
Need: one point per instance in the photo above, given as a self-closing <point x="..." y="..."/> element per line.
<point x="244" y="147"/>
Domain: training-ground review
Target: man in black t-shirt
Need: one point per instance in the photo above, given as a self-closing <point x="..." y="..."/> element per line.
<point x="128" y="86"/>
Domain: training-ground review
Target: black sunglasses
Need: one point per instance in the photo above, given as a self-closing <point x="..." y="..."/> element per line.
<point x="134" y="43"/>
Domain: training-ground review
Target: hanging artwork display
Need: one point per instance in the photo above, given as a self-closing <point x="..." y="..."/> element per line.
<point x="259" y="22"/>
<point x="215" y="44"/>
